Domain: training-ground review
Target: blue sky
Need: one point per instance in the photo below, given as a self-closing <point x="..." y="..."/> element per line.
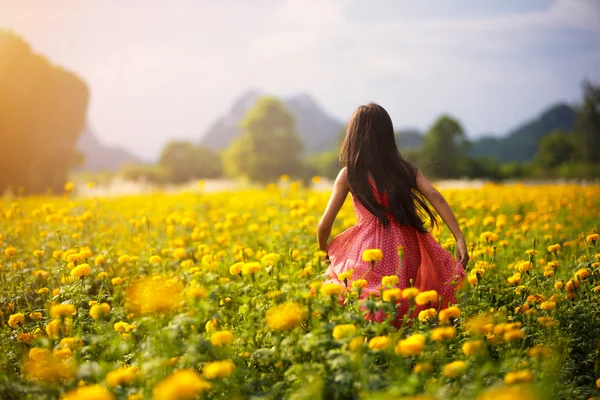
<point x="159" y="70"/>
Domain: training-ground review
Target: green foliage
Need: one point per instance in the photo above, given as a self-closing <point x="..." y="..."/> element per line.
<point x="445" y="147"/>
<point x="588" y="123"/>
<point x="325" y="164"/>
<point x="184" y="161"/>
<point x="555" y="149"/>
<point x="149" y="173"/>
<point x="42" y="113"/>
<point x="268" y="146"/>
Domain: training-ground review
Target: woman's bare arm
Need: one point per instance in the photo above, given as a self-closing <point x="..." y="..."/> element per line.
<point x="336" y="201"/>
<point x="443" y="209"/>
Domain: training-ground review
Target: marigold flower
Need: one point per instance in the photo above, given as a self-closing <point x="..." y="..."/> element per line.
<point x="554" y="248"/>
<point x="360" y="283"/>
<point x="116" y="281"/>
<point x="285" y="316"/>
<point x="558" y="285"/>
<point x="583" y="273"/>
<point x="454" y="369"/>
<point x="343" y="330"/>
<point x="447" y="313"/>
<point x="472" y="347"/>
<point x="236" y="268"/>
<point x="332" y="289"/>
<point x="472" y="279"/>
<point x="548" y="305"/>
<point x="512" y="335"/>
<point x="372" y="255"/>
<point x="58" y="327"/>
<point x="80" y="271"/>
<point x="251" y="267"/>
<point x="97" y="311"/>
<point x="390" y="280"/>
<point x="35" y="315"/>
<point x="379" y="343"/>
<point x="10" y="251"/>
<point x="422" y="367"/>
<point x="392" y="294"/>
<point x="346" y="275"/>
<point x="155" y="259"/>
<point x="355" y="343"/>
<point x="593" y="238"/>
<point x="62" y="310"/>
<point x="218" y="369"/>
<point x="121" y="376"/>
<point x="221" y="338"/>
<point x="442" y="333"/>
<point x="427" y="314"/>
<point x="427" y="297"/>
<point x="410" y="293"/>
<point x="537" y="351"/>
<point x="182" y="384"/>
<point x="411" y="346"/>
<point x="15" y="320"/>
<point x="518" y="377"/>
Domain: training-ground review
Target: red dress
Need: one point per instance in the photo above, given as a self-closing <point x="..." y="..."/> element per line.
<point x="425" y="262"/>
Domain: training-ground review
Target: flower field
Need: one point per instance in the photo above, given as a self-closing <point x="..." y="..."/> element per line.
<point x="219" y="295"/>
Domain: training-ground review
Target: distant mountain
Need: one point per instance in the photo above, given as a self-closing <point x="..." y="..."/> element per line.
<point x="314" y="126"/>
<point x="99" y="157"/>
<point x="521" y="144"/>
<point x="409" y="139"/>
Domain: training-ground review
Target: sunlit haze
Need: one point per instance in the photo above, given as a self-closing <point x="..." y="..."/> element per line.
<point x="162" y="69"/>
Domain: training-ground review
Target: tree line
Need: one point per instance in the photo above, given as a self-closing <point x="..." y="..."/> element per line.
<point x="42" y="113"/>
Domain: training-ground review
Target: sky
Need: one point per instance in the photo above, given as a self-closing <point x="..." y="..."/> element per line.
<point x="161" y="70"/>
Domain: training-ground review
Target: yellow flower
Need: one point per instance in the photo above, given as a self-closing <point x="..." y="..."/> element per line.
<point x="593" y="238"/>
<point x="70" y="343"/>
<point x="524" y="266"/>
<point x="554" y="248"/>
<point x="422" y="367"/>
<point x="221" y="338"/>
<point x="472" y="279"/>
<point x="57" y="327"/>
<point x="43" y="290"/>
<point x="116" y="281"/>
<point x="97" y="311"/>
<point x="537" y="351"/>
<point x="16" y="319"/>
<point x="152" y="295"/>
<point x="427" y="297"/>
<point x="455" y="369"/>
<point x="10" y="251"/>
<point x="390" y="280"/>
<point x="182" y="384"/>
<point x="472" y="347"/>
<point x="155" y="259"/>
<point x="102" y="275"/>
<point x="583" y="273"/>
<point x="218" y="369"/>
<point x="179" y="253"/>
<point x="81" y="271"/>
<point x="427" y="314"/>
<point x="443" y="333"/>
<point x="372" y="255"/>
<point x="62" y="310"/>
<point x="38" y="253"/>
<point x="120" y="376"/>
<point x="236" y="268"/>
<point x="518" y="377"/>
<point x="410" y="293"/>
<point x="411" y="346"/>
<point x="251" y="267"/>
<point x="344" y="330"/>
<point x="548" y="305"/>
<point x="447" y="313"/>
<point x="346" y="275"/>
<point x="379" y="343"/>
<point x="558" y="285"/>
<point x="285" y="316"/>
<point x="332" y="289"/>
<point x="355" y="343"/>
<point x="99" y="260"/>
<point x="392" y="294"/>
<point x="512" y="335"/>
<point x="360" y="283"/>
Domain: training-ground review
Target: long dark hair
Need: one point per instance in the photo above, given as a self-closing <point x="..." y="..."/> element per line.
<point x="369" y="148"/>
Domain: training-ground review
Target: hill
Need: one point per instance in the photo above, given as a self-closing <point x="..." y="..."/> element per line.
<point x="521" y="144"/>
<point x="99" y="157"/>
<point x="316" y="129"/>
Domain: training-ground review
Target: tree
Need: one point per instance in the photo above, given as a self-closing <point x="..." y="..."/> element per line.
<point x="555" y="149"/>
<point x="268" y="146"/>
<point x="587" y="125"/>
<point x="42" y="113"/>
<point x="445" y="148"/>
<point x="183" y="161"/>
